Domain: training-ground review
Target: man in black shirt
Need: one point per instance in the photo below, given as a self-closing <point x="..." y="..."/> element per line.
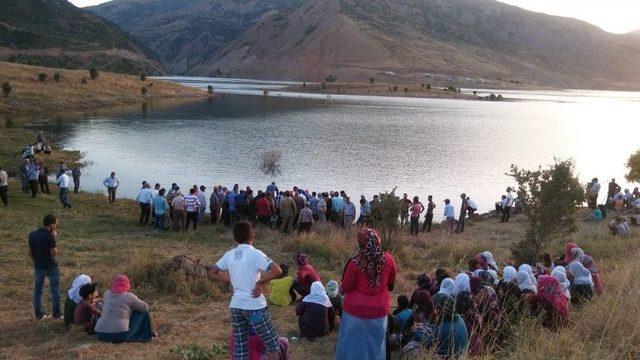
<point x="428" y="218"/>
<point x="43" y="250"/>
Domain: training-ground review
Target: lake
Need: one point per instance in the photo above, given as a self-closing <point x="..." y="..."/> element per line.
<point x="363" y="145"/>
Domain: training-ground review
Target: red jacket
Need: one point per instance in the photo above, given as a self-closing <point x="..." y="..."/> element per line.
<point x="360" y="299"/>
<point x="262" y="207"/>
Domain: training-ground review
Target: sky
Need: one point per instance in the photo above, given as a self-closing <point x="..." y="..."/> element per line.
<point x="617" y="16"/>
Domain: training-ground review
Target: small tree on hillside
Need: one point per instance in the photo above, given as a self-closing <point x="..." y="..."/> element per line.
<point x="6" y="88"/>
<point x="550" y="199"/>
<point x="93" y="73"/>
<point x="633" y="164"/>
<point x="143" y="77"/>
<point x="385" y="218"/>
<point x="56" y="77"/>
<point x="372" y="80"/>
<point x="143" y="91"/>
<point x="42" y="77"/>
<point x="83" y="81"/>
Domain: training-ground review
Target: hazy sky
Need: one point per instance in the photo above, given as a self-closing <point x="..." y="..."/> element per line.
<point x="612" y="15"/>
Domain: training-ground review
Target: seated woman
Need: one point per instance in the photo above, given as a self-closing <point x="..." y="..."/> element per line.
<point x="620" y="227"/>
<point x="403" y="313"/>
<point x="525" y="284"/>
<point x="595" y="215"/>
<point x="581" y="284"/>
<point x="560" y="273"/>
<point x="87" y="312"/>
<point x="316" y="317"/>
<point x="447" y="287"/>
<point x="529" y="270"/>
<point x="486" y="301"/>
<point x="281" y="290"/>
<point x="125" y="318"/>
<point x="486" y="261"/>
<point x="334" y="295"/>
<point x="74" y="297"/>
<point x="306" y="276"/>
<point x="441" y="274"/>
<point x="425" y="283"/>
<point x="446" y="334"/>
<point x="551" y="302"/>
<point x="466" y="307"/>
<point x="588" y="262"/>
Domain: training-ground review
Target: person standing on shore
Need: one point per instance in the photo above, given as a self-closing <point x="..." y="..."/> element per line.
<point x="160" y="207"/>
<point x="287" y="211"/>
<point x="111" y="183"/>
<point x="43" y="178"/>
<point x="24" y="176"/>
<point x="449" y="216"/>
<point x="202" y="198"/>
<point x="179" y="207"/>
<point x="305" y="219"/>
<point x="145" y="198"/>
<point x="32" y="176"/>
<point x="463" y="213"/>
<point x="428" y="218"/>
<point x="4" y="186"/>
<point x="43" y="250"/>
<point x="75" y="173"/>
<point x="242" y="269"/>
<point x="405" y="203"/>
<point x="613" y="190"/>
<point x="272" y="189"/>
<point x="63" y="183"/>
<point x="214" y="205"/>
<point x="508" y="203"/>
<point x="416" y="209"/>
<point x="593" y="188"/>
<point x="192" y="204"/>
<point x="349" y="212"/>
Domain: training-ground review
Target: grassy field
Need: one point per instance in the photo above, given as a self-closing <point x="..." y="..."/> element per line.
<point x="30" y="95"/>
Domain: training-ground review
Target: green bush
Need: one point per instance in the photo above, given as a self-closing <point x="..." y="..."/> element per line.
<point x="93" y="73"/>
<point x="84" y="81"/>
<point x="143" y="77"/>
<point x="6" y="88"/>
<point x="143" y="91"/>
<point x="633" y="165"/>
<point x="331" y="78"/>
<point x="197" y="352"/>
<point x="42" y="77"/>
<point x="56" y="77"/>
<point x="385" y="217"/>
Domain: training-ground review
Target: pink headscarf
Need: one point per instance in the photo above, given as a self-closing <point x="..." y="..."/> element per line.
<point x="120" y="284"/>
<point x="567" y="253"/>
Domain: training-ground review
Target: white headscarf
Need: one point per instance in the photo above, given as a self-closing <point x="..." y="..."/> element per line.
<point x="494" y="275"/>
<point x="74" y="292"/>
<point x="561" y="275"/>
<point x="527" y="268"/>
<point x="318" y="295"/>
<point x="524" y="281"/>
<point x="509" y="273"/>
<point x="581" y="275"/>
<point x="332" y="288"/>
<point x="487" y="255"/>
<point x="447" y="287"/>
<point x="462" y="284"/>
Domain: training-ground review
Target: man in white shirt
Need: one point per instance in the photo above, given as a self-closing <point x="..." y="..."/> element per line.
<point x="63" y="182"/>
<point x="244" y="265"/>
<point x="112" y="183"/>
<point x="508" y="203"/>
<point x="4" y="186"/>
<point x="449" y="215"/>
<point x="145" y="198"/>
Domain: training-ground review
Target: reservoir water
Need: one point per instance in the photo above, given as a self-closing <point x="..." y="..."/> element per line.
<point x="363" y="145"/>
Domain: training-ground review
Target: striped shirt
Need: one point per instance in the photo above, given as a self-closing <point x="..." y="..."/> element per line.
<point x="192" y="203"/>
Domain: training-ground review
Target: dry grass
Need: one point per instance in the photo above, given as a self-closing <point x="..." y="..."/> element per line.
<point x="29" y="95"/>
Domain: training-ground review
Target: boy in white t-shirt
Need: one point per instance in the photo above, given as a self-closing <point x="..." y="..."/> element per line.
<point x="243" y="266"/>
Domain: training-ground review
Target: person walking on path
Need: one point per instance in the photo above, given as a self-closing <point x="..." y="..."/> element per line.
<point x="145" y="198"/>
<point x="449" y="216"/>
<point x="4" y="186"/>
<point x="63" y="183"/>
<point x="43" y="250"/>
<point x="192" y="204"/>
<point x="111" y="183"/>
<point x="428" y="217"/>
<point x="463" y="213"/>
<point x="75" y="173"/>
<point x="508" y="203"/>
<point x="242" y="269"/>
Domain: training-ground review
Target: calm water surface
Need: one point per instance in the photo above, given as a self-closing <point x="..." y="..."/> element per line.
<point x="363" y="145"/>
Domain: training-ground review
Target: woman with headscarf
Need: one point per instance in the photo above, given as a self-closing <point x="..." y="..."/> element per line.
<point x="466" y="307"/>
<point x="587" y="261"/>
<point x="307" y="275"/>
<point x="333" y="291"/>
<point x="366" y="282"/>
<point x="125" y="318"/>
<point x="424" y="283"/>
<point x="560" y="274"/>
<point x="441" y="274"/>
<point x="74" y="297"/>
<point x="567" y="253"/>
<point x="525" y="284"/>
<point x="316" y="317"/>
<point x="529" y="270"/>
<point x="447" y="287"/>
<point x="581" y="284"/>
<point x="550" y="301"/>
<point x="486" y="300"/>
<point x="486" y="261"/>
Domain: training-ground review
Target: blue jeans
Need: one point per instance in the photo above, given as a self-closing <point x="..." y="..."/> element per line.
<point x="54" y="283"/>
<point x="160" y="222"/>
<point x="64" y="198"/>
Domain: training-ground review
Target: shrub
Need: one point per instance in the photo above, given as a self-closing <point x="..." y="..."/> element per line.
<point x="406" y="90"/>
<point x="143" y="77"/>
<point x="270" y="161"/>
<point x="42" y="77"/>
<point x="385" y="217"/>
<point x="372" y="80"/>
<point x="550" y="199"/>
<point x="6" y="88"/>
<point x="143" y="91"/>
<point x="633" y="165"/>
<point x="331" y="78"/>
<point x="395" y="88"/>
<point x="210" y="89"/>
<point x="56" y="77"/>
<point x="197" y="352"/>
<point x="84" y="81"/>
<point x="452" y="88"/>
<point x="428" y="86"/>
<point x="93" y="73"/>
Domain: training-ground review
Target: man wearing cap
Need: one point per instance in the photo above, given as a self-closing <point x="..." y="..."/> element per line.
<point x="449" y="215"/>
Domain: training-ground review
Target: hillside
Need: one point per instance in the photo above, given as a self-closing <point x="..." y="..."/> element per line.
<point x="55" y="33"/>
<point x="29" y="94"/>
<point x="186" y="33"/>
<point x="482" y="41"/>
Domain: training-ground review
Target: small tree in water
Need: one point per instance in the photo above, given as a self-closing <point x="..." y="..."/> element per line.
<point x="550" y="199"/>
<point x="633" y="164"/>
<point x="385" y="218"/>
<point x="270" y="162"/>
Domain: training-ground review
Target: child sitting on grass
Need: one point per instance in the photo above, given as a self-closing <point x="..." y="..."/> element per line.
<point x="86" y="313"/>
<point x="281" y="290"/>
<point x="334" y="295"/>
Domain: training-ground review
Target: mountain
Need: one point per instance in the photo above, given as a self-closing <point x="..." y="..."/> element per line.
<point x="354" y="40"/>
<point x="185" y="33"/>
<point x="55" y="33"/>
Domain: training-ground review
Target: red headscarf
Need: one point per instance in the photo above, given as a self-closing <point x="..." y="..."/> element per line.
<point x="423" y="300"/>
<point x="567" y="252"/>
<point x="482" y="262"/>
<point x="370" y="258"/>
<point x="474" y="282"/>
<point x="550" y="290"/>
<point x="120" y="284"/>
<point x="301" y="259"/>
